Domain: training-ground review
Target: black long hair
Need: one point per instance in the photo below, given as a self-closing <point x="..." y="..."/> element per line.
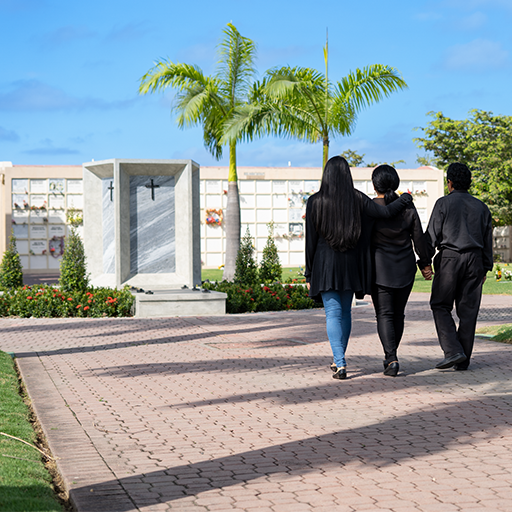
<point x="385" y="181"/>
<point x="337" y="212"/>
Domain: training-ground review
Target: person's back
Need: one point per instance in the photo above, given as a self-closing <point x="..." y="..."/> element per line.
<point x="460" y="227"/>
<point x="462" y="223"/>
<point x="394" y="264"/>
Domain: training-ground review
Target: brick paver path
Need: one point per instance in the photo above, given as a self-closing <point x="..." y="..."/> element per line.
<point x="241" y="413"/>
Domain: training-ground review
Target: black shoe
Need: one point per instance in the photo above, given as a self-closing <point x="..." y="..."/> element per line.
<point x="460" y="368"/>
<point x="448" y="362"/>
<point x="340" y="373"/>
<point x="392" y="369"/>
<point x="333" y="367"/>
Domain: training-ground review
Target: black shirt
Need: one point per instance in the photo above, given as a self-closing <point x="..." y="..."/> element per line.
<point x="461" y="223"/>
<point x="327" y="269"/>
<point x="394" y="262"/>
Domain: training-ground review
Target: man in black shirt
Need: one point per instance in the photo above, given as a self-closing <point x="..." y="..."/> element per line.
<point x="460" y="227"/>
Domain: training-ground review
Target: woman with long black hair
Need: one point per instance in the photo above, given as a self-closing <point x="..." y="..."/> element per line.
<point x="339" y="222"/>
<point x="394" y="264"/>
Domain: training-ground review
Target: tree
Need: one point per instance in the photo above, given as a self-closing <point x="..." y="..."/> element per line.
<point x="354" y="159"/>
<point x="303" y="103"/>
<point x="11" y="271"/>
<point x="211" y="101"/>
<point x="246" y="270"/>
<point x="73" y="271"/>
<point x="484" y="143"/>
<point x="270" y="265"/>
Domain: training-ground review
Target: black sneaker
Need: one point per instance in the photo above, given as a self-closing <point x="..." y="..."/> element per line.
<point x="340" y="374"/>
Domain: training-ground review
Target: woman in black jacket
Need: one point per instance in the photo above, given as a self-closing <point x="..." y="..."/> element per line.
<point x="339" y="223"/>
<point x="394" y="264"/>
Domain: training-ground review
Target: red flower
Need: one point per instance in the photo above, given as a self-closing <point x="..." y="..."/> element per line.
<point x="29" y="298"/>
<point x="79" y="306"/>
<point x="69" y="298"/>
<point x="89" y="301"/>
<point x="86" y="308"/>
<point x="54" y="294"/>
<point x="252" y="300"/>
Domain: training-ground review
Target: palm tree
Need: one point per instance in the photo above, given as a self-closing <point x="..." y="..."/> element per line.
<point x="303" y="103"/>
<point x="211" y="101"/>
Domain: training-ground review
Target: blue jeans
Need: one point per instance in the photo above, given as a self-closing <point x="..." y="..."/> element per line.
<point x="338" y="317"/>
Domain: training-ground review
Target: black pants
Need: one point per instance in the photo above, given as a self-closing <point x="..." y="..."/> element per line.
<point x="389" y="304"/>
<point x="458" y="278"/>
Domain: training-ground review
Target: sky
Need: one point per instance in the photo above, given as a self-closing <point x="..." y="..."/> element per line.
<point x="70" y="71"/>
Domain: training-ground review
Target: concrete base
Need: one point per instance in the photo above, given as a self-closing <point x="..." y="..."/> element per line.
<point x="163" y="303"/>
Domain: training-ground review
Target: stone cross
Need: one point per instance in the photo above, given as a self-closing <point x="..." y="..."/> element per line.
<point x="111" y="188"/>
<point x="152" y="186"/>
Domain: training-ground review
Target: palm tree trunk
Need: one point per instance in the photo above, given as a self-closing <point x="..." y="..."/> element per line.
<point x="232" y="217"/>
<point x="326" y="150"/>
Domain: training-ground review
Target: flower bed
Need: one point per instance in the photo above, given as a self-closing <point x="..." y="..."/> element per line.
<point x="275" y="297"/>
<point x="48" y="301"/>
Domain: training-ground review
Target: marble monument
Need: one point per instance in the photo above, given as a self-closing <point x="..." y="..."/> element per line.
<point x="141" y="228"/>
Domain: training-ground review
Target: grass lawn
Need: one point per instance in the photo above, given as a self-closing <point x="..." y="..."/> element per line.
<point x="25" y="484"/>
<point x="214" y="274"/>
<point x="501" y="333"/>
<point x="491" y="286"/>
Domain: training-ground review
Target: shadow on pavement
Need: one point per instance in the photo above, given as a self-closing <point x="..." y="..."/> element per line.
<point x="395" y="442"/>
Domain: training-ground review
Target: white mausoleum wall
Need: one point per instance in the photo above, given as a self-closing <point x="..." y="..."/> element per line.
<point x="266" y="194"/>
<point x="279" y="194"/>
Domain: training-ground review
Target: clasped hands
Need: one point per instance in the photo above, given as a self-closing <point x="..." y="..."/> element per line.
<point x="427" y="273"/>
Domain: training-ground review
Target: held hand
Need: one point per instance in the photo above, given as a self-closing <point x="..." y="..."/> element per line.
<point x="427" y="273"/>
<point x="483" y="280"/>
<point x="406" y="198"/>
<point x="308" y="285"/>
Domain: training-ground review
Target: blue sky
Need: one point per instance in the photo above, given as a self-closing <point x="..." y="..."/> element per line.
<point x="70" y="71"/>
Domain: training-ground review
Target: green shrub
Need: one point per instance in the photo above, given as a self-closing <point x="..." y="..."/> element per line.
<point x="11" y="271"/>
<point x="73" y="271"/>
<point x="47" y="301"/>
<point x="246" y="270"/>
<point x="270" y="266"/>
<point x="275" y="297"/>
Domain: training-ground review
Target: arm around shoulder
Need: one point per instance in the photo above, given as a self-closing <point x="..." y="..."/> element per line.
<point x="372" y="209"/>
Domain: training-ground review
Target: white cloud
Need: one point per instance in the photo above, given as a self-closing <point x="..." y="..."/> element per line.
<point x="477" y="55"/>
<point x="66" y="35"/>
<point x="128" y="33"/>
<point x="33" y="95"/>
<point x="8" y="135"/>
<point x="473" y="21"/>
<point x="474" y="4"/>
<point x="428" y="16"/>
<point x="47" y="148"/>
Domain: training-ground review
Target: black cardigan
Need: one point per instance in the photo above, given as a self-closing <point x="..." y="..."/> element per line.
<point x="394" y="263"/>
<point x="327" y="269"/>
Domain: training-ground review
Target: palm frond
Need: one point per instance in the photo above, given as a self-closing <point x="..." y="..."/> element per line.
<point x="236" y="69"/>
<point x="168" y="74"/>
<point x="369" y="85"/>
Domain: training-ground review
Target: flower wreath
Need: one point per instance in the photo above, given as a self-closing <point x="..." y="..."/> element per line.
<point x="214" y="217"/>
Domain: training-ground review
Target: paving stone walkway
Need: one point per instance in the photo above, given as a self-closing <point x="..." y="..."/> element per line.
<point x="241" y="413"/>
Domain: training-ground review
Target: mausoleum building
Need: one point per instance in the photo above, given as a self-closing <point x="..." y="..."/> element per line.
<point x="39" y="202"/>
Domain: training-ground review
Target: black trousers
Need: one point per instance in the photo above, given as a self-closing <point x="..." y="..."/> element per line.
<point x="458" y="278"/>
<point x="389" y="304"/>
